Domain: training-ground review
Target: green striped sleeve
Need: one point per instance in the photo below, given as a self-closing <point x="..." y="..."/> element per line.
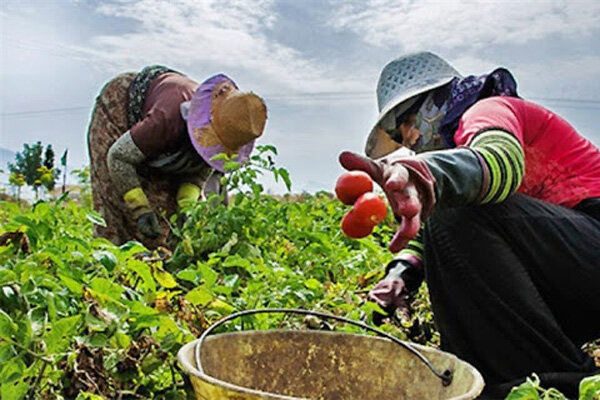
<point x="414" y="249"/>
<point x="504" y="161"/>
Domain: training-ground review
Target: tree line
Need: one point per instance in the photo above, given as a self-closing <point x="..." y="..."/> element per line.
<point x="34" y="166"/>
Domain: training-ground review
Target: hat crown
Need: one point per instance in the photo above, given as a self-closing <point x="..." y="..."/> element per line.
<point x="240" y="119"/>
<point x="409" y="74"/>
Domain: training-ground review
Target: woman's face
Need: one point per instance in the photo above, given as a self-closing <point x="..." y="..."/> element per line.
<point x="408" y="131"/>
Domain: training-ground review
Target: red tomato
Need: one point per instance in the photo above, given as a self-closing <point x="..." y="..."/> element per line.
<point x="354" y="228"/>
<point x="350" y="185"/>
<point x="370" y="209"/>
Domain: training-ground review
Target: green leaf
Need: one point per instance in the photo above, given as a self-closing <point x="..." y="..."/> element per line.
<point x="230" y="166"/>
<point x="13" y="391"/>
<point x="285" y="175"/>
<point x="143" y="271"/>
<point x="147" y="321"/>
<point x="61" y="334"/>
<point x="164" y="278"/>
<point x="370" y="307"/>
<point x="123" y="340"/>
<point x="95" y="218"/>
<point x="167" y="327"/>
<point x="107" y="289"/>
<point x="528" y="390"/>
<point x="7" y="277"/>
<point x="132" y="247"/>
<point x="12" y="370"/>
<point x="7" y="327"/>
<point x="88" y="396"/>
<point x="236" y="261"/>
<point x="199" y="296"/>
<point x="222" y="307"/>
<point x="265" y="148"/>
<point x="24" y="330"/>
<point x="589" y="388"/>
<point x="71" y="284"/>
<point x="190" y="275"/>
<point x="6" y="352"/>
<point x="106" y="258"/>
<point x="151" y="363"/>
<point x="312" y="283"/>
<point x="220" y="157"/>
<point x="187" y="245"/>
<point x="208" y="274"/>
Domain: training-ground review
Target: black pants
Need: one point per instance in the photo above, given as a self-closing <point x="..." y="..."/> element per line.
<point x="515" y="289"/>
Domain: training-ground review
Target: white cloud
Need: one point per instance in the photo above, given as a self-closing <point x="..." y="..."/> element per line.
<point x="464" y="23"/>
<point x="576" y="78"/>
<point x="560" y="77"/>
<point x="226" y="34"/>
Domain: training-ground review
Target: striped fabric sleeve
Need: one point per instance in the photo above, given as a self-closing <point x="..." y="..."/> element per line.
<point x="503" y="163"/>
<point x="413" y="252"/>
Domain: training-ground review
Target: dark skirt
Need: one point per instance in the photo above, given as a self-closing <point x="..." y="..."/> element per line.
<point x="515" y="289"/>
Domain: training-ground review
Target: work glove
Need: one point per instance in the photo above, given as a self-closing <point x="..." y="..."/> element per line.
<point x="146" y="220"/>
<point x="394" y="291"/>
<point x="416" y="183"/>
<point x="147" y="225"/>
<point x="188" y="193"/>
<point x="409" y="186"/>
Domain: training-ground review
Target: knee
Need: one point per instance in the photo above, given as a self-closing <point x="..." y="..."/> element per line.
<point x="478" y="216"/>
<point x="454" y="220"/>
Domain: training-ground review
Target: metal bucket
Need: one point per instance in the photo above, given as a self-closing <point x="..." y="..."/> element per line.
<point x="323" y="365"/>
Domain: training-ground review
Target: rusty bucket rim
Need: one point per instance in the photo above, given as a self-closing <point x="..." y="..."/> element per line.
<point x="189" y="368"/>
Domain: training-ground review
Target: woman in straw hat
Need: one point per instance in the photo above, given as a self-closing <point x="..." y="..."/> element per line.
<point x="151" y="140"/>
<point x="509" y="194"/>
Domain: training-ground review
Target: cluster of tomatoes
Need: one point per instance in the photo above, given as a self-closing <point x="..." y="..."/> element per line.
<point x="355" y="188"/>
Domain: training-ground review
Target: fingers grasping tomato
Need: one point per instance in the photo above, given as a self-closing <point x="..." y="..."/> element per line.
<point x="369" y="209"/>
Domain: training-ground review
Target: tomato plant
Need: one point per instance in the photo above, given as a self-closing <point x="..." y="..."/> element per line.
<point x="82" y="318"/>
<point x="350" y="185"/>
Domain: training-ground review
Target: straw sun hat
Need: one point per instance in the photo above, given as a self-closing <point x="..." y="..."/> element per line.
<point x="221" y="119"/>
<point x="400" y="84"/>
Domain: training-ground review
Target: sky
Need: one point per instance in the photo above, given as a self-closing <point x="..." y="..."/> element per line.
<point x="315" y="62"/>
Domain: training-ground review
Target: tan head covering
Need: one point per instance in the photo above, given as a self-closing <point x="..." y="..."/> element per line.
<point x="222" y="119"/>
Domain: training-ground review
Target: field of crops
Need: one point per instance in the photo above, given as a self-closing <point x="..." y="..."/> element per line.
<point x="81" y="318"/>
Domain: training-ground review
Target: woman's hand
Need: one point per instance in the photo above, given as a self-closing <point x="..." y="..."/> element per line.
<point x="147" y="225"/>
<point x="408" y="185"/>
<point x="391" y="295"/>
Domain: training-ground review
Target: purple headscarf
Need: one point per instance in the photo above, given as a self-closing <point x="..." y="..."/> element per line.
<point x="467" y="91"/>
<point x="200" y="116"/>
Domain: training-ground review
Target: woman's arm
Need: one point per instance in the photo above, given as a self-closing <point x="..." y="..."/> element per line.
<point x="122" y="160"/>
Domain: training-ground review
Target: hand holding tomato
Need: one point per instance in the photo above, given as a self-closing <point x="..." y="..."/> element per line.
<point x="408" y="185"/>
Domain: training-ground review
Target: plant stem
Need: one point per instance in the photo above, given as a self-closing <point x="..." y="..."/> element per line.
<point x="28" y="351"/>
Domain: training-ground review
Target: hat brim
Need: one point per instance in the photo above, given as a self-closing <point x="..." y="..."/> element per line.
<point x="376" y="134"/>
<point x="201" y="130"/>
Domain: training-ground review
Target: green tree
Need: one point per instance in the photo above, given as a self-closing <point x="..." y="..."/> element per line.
<point x="17" y="180"/>
<point x="49" y="174"/>
<point x="36" y="171"/>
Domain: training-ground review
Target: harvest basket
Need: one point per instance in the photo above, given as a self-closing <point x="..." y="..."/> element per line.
<point x="294" y="365"/>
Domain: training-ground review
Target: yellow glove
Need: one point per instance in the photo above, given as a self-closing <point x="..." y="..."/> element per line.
<point x="137" y="202"/>
<point x="188" y="193"/>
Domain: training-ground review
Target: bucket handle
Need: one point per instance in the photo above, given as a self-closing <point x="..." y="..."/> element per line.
<point x="446" y="376"/>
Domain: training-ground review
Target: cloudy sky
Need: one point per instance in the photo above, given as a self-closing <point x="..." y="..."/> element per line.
<point x="316" y="62"/>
